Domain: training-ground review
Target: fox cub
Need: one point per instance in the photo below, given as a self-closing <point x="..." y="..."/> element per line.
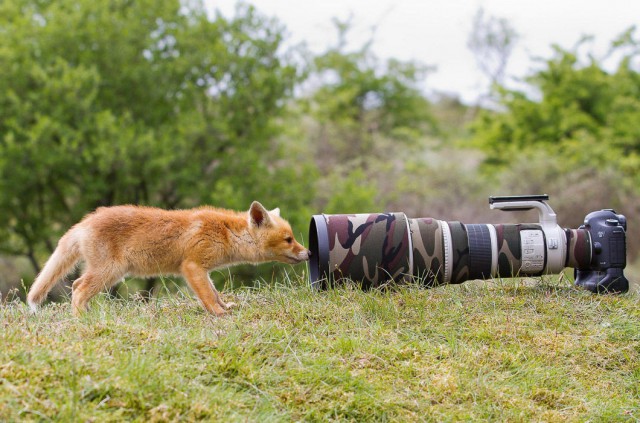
<point x="142" y="241"/>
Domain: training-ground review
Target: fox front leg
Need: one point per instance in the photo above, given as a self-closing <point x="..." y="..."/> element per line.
<point x="198" y="280"/>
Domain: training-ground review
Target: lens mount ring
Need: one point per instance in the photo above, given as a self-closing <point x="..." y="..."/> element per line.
<point x="448" y="251"/>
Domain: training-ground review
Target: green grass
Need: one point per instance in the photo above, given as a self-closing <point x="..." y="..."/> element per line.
<point x="512" y="350"/>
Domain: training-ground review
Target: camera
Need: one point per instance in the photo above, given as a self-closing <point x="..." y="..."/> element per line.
<point x="372" y="249"/>
<point x="607" y="231"/>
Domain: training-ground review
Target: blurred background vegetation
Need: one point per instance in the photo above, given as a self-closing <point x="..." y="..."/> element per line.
<point x="155" y="102"/>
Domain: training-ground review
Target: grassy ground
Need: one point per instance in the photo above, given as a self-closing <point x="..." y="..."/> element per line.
<point x="511" y="350"/>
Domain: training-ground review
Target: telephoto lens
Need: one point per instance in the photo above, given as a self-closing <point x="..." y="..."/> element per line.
<point x="375" y="248"/>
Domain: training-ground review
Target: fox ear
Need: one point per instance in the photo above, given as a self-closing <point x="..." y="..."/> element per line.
<point x="275" y="212"/>
<point x="258" y="215"/>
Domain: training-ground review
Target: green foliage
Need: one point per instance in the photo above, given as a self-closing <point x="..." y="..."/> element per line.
<point x="365" y="116"/>
<point x="500" y="351"/>
<point x="356" y="194"/>
<point x="584" y="114"/>
<point x="361" y="100"/>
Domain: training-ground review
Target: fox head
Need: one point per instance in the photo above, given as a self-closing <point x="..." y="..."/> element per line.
<point x="274" y="236"/>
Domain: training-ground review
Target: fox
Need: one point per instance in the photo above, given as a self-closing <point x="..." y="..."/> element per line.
<point x="119" y="241"/>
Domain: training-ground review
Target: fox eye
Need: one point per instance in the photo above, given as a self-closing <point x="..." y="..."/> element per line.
<point x="288" y="240"/>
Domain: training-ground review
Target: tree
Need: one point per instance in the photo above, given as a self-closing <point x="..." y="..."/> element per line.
<point x="366" y="115"/>
<point x="584" y="113"/>
<point x="491" y="41"/>
<point x="363" y="97"/>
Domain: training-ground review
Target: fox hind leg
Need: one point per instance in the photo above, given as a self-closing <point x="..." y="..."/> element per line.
<point x="89" y="285"/>
<point x="224" y="305"/>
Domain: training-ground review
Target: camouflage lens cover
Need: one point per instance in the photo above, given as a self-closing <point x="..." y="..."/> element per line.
<point x="428" y="250"/>
<point x="374" y="248"/>
<point x="509" y="251"/>
<point x="367" y="248"/>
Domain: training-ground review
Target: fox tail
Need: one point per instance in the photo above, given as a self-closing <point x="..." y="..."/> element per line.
<point x="63" y="259"/>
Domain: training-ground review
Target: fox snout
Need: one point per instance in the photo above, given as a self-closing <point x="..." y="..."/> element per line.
<point x="299" y="254"/>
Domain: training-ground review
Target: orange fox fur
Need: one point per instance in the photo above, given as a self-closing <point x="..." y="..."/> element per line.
<point x="142" y="241"/>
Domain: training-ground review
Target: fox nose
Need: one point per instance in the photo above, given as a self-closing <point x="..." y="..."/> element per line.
<point x="307" y="254"/>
